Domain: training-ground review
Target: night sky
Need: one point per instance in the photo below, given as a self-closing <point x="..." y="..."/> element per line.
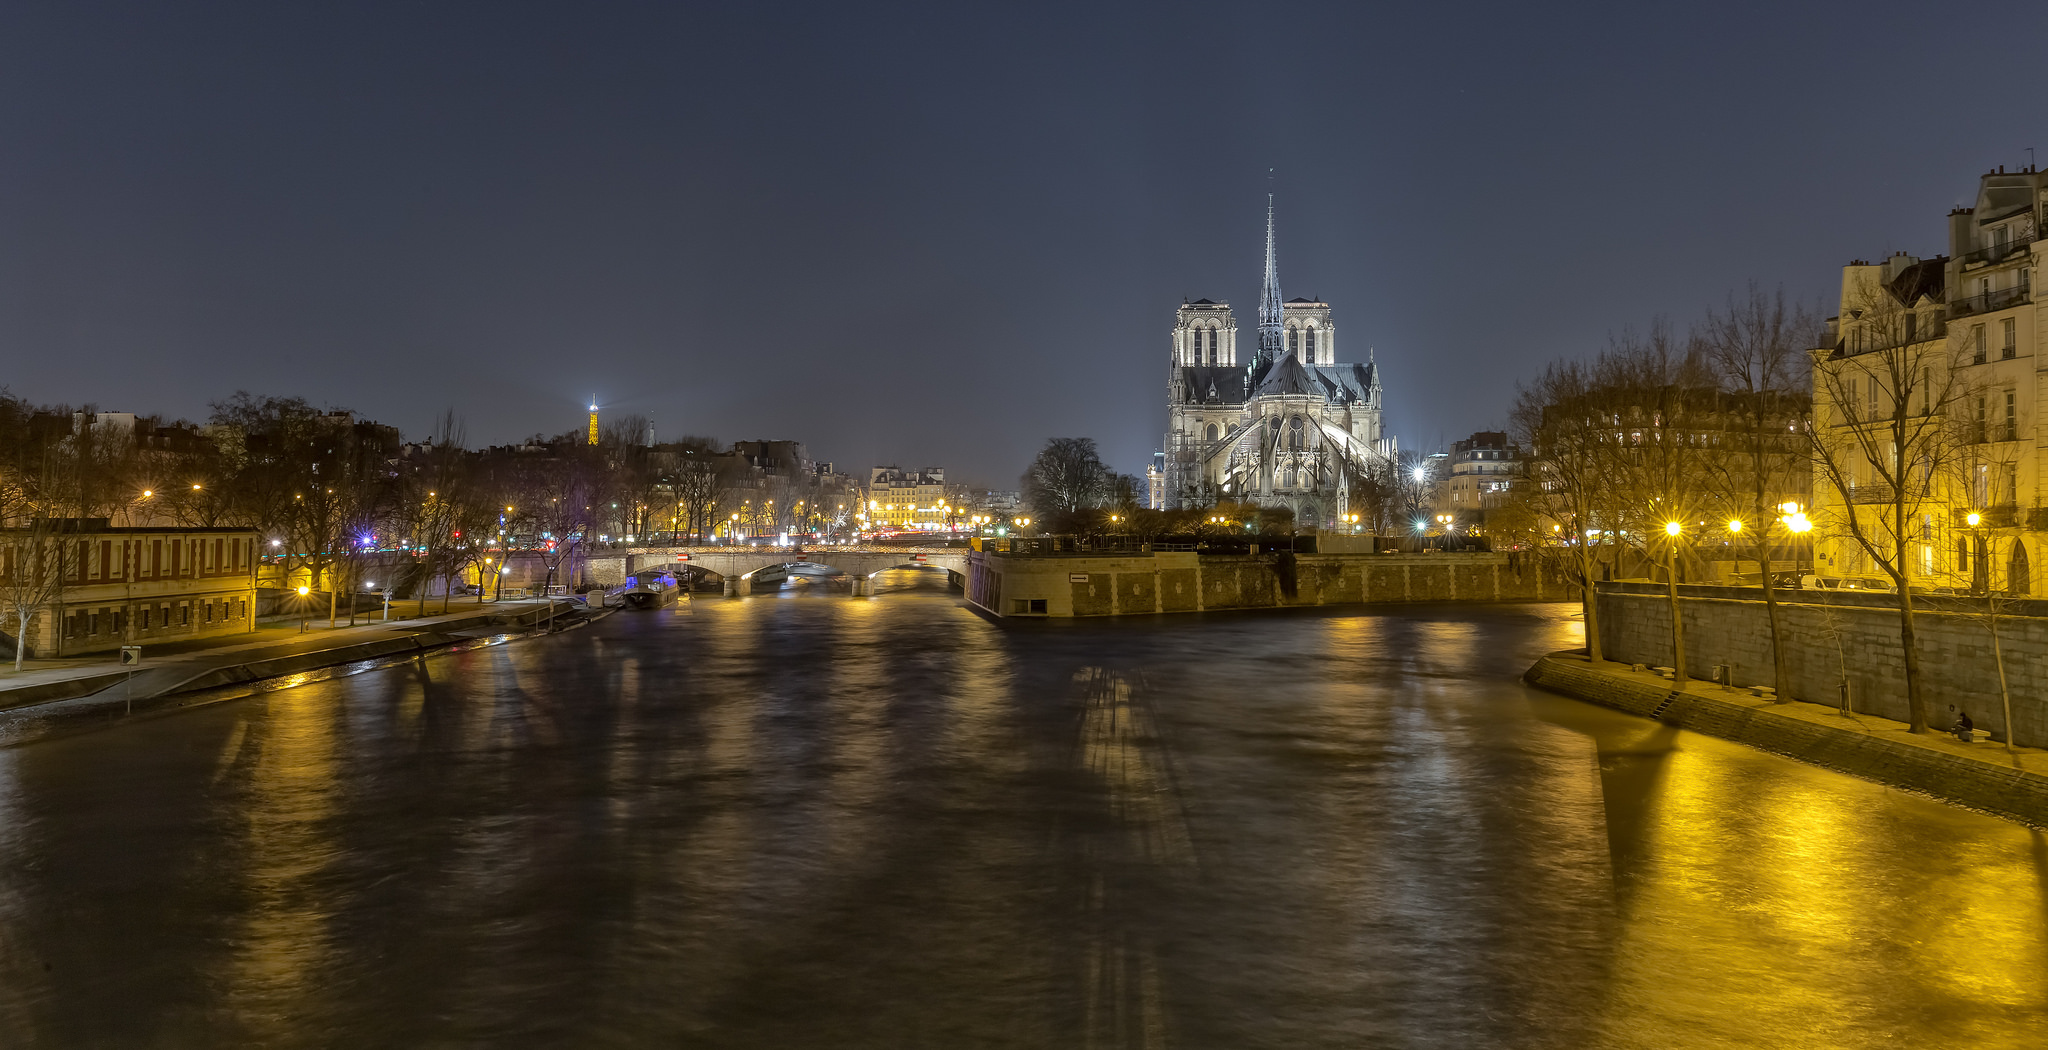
<point x="939" y="235"/>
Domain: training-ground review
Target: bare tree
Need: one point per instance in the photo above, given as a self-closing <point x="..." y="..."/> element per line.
<point x="1066" y="478"/>
<point x="35" y="562"/>
<point x="1561" y="419"/>
<point x="1885" y="391"/>
<point x="1756" y="346"/>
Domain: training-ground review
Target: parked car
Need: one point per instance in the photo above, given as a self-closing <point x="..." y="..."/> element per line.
<point x="1874" y="584"/>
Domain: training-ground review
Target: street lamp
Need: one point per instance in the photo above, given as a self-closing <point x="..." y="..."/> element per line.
<point x="1673" y="530"/>
<point x="303" y="592"/>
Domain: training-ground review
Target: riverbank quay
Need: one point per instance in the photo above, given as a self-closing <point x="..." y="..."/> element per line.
<point x="86" y="693"/>
<point x="1032" y="583"/>
<point x="1981" y="776"/>
<point x="1846" y="639"/>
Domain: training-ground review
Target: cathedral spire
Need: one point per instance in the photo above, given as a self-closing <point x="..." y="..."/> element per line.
<point x="1270" y="347"/>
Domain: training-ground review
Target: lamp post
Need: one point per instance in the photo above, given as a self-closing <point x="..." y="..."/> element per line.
<point x="303" y="592"/>
<point x="1674" y="530"/>
<point x="1985" y="550"/>
<point x="1797" y="524"/>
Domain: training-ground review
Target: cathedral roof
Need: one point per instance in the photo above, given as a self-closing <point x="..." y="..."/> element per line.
<point x="1345" y="383"/>
<point x="1286" y="378"/>
<point x="1228" y="382"/>
<point x="1299" y="299"/>
<point x="1335" y="384"/>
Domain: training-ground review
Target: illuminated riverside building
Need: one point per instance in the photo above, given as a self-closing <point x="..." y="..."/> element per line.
<point x="912" y="500"/>
<point x="1967" y="327"/>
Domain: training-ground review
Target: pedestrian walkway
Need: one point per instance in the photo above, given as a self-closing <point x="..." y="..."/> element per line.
<point x="1983" y="775"/>
<point x="2031" y="759"/>
<point x="43" y="680"/>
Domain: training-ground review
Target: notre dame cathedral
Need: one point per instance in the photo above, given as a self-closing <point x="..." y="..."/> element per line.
<point x="1291" y="427"/>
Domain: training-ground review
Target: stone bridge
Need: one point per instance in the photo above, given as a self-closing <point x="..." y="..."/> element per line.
<point x="737" y="565"/>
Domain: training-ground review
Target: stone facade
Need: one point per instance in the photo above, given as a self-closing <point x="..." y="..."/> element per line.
<point x="1067" y="584"/>
<point x="1854" y="638"/>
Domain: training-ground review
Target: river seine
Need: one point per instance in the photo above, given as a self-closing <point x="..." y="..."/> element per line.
<point x="804" y="820"/>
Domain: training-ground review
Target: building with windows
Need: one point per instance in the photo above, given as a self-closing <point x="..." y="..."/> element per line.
<point x="1958" y="336"/>
<point x="907" y="499"/>
<point x="108" y="586"/>
<point x="1482" y="474"/>
<point x="1290" y="426"/>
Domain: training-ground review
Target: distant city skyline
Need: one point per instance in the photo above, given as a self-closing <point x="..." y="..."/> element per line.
<point x="930" y="235"/>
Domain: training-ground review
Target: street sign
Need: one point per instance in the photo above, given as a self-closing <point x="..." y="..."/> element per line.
<point x="131" y="655"/>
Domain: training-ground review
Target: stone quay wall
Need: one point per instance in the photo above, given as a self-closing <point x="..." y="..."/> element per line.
<point x="1133" y="584"/>
<point x="1852" y="637"/>
<point x="1980" y="781"/>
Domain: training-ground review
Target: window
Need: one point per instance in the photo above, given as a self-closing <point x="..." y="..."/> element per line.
<point x="1311" y="355"/>
<point x="1912" y="327"/>
<point x="1977" y="344"/>
<point x="2010" y="330"/>
<point x="2009" y="485"/>
<point x="1962" y="553"/>
<point x="1293" y="340"/>
<point x="1982" y="435"/>
<point x="2001" y="236"/>
<point x="145" y="619"/>
<point x="1213" y="357"/>
<point x="1209" y="434"/>
<point x="2012" y="425"/>
<point x="1027" y="605"/>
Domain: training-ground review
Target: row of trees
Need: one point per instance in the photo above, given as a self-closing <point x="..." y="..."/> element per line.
<point x="1629" y="453"/>
<point x="1701" y="433"/>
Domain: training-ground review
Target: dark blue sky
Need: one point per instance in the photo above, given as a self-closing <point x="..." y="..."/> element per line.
<point x="938" y="235"/>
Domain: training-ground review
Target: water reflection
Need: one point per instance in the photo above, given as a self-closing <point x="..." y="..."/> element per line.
<point x="802" y="819"/>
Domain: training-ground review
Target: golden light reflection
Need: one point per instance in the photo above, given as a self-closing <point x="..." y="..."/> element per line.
<point x="281" y="951"/>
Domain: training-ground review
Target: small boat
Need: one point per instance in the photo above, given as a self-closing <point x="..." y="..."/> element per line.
<point x="650" y="592"/>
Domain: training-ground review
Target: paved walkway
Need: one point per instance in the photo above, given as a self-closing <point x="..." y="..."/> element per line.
<point x="2031" y="759"/>
<point x="272" y="638"/>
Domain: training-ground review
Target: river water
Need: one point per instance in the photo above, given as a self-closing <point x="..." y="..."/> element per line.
<point x="804" y="820"/>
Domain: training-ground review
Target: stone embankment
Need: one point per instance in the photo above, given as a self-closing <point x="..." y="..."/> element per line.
<point x="1144" y="583"/>
<point x="1981" y="776"/>
<point x="96" y="698"/>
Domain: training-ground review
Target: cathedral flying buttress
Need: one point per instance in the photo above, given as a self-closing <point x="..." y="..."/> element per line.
<point x="1291" y="426"/>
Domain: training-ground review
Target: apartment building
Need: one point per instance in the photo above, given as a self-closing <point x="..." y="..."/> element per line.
<point x="108" y="586"/>
<point x="1956" y="338"/>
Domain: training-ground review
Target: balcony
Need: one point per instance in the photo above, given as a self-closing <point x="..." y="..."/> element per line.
<point x="1989" y="301"/>
<point x="1996" y="253"/>
<point x="1867" y="494"/>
